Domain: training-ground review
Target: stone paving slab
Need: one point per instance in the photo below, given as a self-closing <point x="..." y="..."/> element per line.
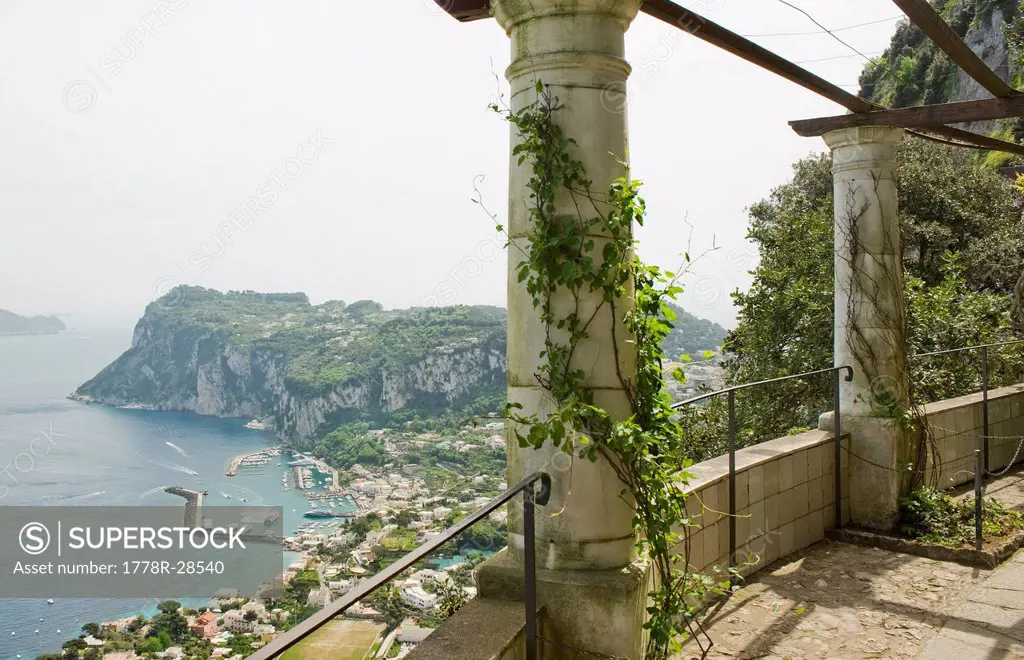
<point x="989" y="623"/>
<point x="835" y="600"/>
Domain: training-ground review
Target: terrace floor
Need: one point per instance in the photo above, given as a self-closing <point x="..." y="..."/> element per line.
<point x="835" y="600"/>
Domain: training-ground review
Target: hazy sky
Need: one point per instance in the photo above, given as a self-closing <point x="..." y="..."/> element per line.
<point x="122" y="165"/>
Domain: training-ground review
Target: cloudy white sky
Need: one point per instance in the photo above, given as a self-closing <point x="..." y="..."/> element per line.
<point x="117" y="175"/>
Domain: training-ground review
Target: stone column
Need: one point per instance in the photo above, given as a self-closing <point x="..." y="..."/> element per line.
<point x="870" y="323"/>
<point x="593" y="591"/>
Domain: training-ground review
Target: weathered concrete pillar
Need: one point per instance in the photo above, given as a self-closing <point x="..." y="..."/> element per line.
<point x="593" y="590"/>
<point x="870" y="323"/>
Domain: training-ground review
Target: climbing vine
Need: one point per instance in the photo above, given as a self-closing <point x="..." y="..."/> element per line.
<point x="872" y="282"/>
<point x="569" y="261"/>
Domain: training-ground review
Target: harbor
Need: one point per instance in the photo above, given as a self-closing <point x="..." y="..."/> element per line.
<point x="252" y="458"/>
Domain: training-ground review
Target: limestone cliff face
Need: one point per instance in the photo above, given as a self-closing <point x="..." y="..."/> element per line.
<point x="987" y="39"/>
<point x="913" y="71"/>
<point x="179" y="363"/>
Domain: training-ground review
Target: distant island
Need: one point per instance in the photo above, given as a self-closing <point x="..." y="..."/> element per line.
<point x="13" y="324"/>
<point x="307" y="369"/>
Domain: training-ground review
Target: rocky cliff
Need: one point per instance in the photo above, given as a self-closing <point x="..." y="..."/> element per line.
<point x="305" y="368"/>
<point x="912" y="71"/>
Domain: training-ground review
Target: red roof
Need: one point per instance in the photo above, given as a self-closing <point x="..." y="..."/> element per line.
<point x="206" y="617"/>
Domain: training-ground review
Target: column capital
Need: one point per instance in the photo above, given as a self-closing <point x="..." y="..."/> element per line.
<point x="871" y="147"/>
<point x="846" y="137"/>
<point x="511" y="13"/>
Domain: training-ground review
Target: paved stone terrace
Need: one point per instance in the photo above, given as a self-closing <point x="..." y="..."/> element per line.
<point x="835" y="600"/>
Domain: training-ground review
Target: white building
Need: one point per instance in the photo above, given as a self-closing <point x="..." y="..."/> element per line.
<point x="235" y="621"/>
<point x="414" y="595"/>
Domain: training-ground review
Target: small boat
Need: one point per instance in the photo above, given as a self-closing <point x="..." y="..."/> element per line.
<point x="37" y="631"/>
<point x="49" y="601"/>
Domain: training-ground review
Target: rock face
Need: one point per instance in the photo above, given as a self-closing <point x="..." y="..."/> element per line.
<point x="304" y="368"/>
<point x="913" y="71"/>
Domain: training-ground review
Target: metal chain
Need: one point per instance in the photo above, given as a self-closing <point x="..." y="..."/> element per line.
<point x="1013" y="461"/>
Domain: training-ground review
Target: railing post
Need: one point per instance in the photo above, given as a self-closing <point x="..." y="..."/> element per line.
<point x="977" y="500"/>
<point x="984" y="401"/>
<point x="837" y="433"/>
<point x="732" y="476"/>
<point x="530" y="574"/>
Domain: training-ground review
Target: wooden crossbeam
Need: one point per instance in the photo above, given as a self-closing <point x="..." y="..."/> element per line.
<point x="925" y="116"/>
<point x="935" y="28"/>
<point x="716" y="35"/>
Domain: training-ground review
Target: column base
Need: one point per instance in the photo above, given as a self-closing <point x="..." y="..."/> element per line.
<point x="878" y="459"/>
<point x="585" y="611"/>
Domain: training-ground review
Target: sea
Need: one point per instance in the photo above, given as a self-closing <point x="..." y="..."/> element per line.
<point x="102" y="456"/>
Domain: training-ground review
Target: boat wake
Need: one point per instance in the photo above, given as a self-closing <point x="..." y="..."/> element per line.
<point x="152" y="491"/>
<point x="177" y="449"/>
<point x="78" y="498"/>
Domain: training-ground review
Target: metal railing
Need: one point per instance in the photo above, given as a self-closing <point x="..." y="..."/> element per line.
<point x="368" y="586"/>
<point x="731" y="393"/>
<point x="984" y="382"/>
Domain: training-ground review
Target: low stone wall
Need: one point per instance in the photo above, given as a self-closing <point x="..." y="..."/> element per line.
<point x="785" y="494"/>
<point x="956" y="425"/>
<point x="785" y="487"/>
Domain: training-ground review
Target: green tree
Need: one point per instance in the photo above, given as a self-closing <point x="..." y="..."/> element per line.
<point x="91" y="629"/>
<point x="168" y="606"/>
<point x="300" y="585"/>
<point x="451" y="598"/>
<point x="949" y="204"/>
<point x="172" y="623"/>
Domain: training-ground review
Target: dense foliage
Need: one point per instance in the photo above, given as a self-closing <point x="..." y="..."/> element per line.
<point x="913" y="70"/>
<point x="691" y="335"/>
<point x="937" y="518"/>
<point x="606" y="284"/>
<point x="963" y="250"/>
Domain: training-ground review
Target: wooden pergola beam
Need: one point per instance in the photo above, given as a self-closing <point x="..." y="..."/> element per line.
<point x="925" y="116"/>
<point x="935" y="28"/>
<point x="962" y="138"/>
<point x="716" y="35"/>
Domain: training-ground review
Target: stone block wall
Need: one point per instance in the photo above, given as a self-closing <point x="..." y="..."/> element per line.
<point x="956" y="425"/>
<point x="785" y="494"/>
<point x="785" y="487"/>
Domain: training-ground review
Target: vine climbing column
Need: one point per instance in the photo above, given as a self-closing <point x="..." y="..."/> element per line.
<point x="570" y="54"/>
<point x="576" y="50"/>
<point x="870" y="324"/>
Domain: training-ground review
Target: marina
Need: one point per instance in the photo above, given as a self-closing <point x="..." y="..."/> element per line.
<point x="250" y="459"/>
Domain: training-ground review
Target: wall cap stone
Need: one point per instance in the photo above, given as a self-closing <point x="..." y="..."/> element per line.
<point x="715" y="470"/>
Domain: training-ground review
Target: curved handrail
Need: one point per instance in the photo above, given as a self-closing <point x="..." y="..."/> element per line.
<point x="737" y="388"/>
<point x="969" y="348"/>
<point x="288" y="639"/>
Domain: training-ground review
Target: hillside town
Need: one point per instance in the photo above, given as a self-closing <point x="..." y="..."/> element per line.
<point x="419" y="485"/>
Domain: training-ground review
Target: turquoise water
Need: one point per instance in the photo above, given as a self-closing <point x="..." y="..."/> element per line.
<point x="105" y="456"/>
<point x="445" y="562"/>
